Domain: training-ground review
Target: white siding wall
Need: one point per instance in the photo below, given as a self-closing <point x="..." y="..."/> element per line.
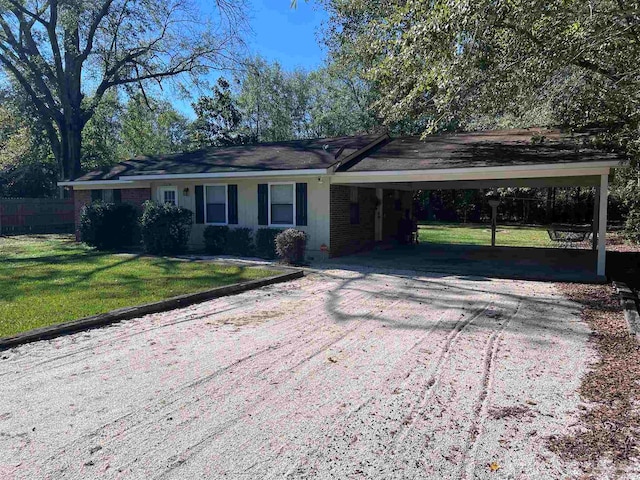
<point x="317" y="206"/>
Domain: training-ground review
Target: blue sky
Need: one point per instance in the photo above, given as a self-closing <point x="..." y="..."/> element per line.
<point x="279" y="33"/>
<point x="285" y="34"/>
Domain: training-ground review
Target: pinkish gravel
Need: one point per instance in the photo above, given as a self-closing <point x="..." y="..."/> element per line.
<point x="342" y="374"/>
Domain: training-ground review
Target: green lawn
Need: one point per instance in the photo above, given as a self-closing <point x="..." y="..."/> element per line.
<point x="506" y="236"/>
<point x="49" y="279"/>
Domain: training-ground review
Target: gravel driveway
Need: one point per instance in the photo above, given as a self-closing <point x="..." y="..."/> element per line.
<point x="342" y="374"/>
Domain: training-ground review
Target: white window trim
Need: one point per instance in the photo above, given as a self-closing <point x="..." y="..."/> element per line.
<point x="282" y="225"/>
<point x="167" y="188"/>
<point x="226" y="203"/>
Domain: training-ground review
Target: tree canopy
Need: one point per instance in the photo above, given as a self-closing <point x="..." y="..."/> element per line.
<point x="66" y="55"/>
<point x="450" y="60"/>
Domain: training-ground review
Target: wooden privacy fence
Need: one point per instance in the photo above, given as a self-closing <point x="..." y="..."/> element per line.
<point x="36" y="215"/>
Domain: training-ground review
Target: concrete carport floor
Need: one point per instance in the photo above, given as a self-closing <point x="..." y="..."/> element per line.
<point x="545" y="264"/>
<point x="501" y="262"/>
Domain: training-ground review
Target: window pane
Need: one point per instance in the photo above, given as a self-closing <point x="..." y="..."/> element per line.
<point x="353" y="195"/>
<point x="281" y="194"/>
<point x="216" y="194"/>
<point x="216" y="213"/>
<point x="169" y="196"/>
<point x="107" y="196"/>
<point x="282" y="214"/>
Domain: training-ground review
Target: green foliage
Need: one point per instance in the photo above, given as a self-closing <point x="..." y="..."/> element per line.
<point x="27" y="167"/>
<point x="165" y="228"/>
<point x="266" y="242"/>
<point x="240" y="242"/>
<point x="218" y="120"/>
<point x="101" y="142"/>
<point x="215" y="239"/>
<point x="229" y="241"/>
<point x="108" y="226"/>
<point x="151" y="127"/>
<point x="291" y="245"/>
<point x="278" y="105"/>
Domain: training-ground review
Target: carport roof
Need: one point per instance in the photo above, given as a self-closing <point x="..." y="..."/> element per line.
<point x="497" y="148"/>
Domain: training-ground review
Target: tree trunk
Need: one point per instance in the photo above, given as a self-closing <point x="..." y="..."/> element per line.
<point x="74" y="148"/>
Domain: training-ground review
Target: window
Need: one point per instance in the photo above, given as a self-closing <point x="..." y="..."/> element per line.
<point x="107" y="196"/>
<point x="168" y="195"/>
<point x="354" y="206"/>
<point x="282" y="204"/>
<point x="215" y="204"/>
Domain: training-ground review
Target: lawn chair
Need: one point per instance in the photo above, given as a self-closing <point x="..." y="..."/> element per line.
<point x="568" y="236"/>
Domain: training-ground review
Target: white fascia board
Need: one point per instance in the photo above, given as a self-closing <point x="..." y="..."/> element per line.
<point x="505" y="168"/>
<point x="96" y="183"/>
<point x="479" y="173"/>
<point x="213" y="175"/>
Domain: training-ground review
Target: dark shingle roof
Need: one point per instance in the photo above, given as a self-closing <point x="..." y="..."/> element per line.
<point x="293" y="155"/>
<point x="533" y="146"/>
<point x="495" y="148"/>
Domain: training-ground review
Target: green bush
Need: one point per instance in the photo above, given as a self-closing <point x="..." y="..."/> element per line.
<point x="215" y="239"/>
<point x="240" y="242"/>
<point x="291" y="245"/>
<point x="632" y="225"/>
<point x="165" y="228"/>
<point x="109" y="226"/>
<point x="266" y="242"/>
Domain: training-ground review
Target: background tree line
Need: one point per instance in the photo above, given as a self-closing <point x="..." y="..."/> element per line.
<point x="261" y="103"/>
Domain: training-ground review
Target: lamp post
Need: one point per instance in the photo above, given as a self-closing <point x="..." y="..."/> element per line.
<point x="494" y="215"/>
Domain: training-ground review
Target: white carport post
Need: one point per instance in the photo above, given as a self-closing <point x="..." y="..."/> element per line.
<point x="602" y="224"/>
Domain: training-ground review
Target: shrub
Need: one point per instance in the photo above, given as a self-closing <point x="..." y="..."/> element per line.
<point x="291" y="244"/>
<point x="165" y="228"/>
<point x="632" y="226"/>
<point x="109" y="226"/>
<point x="215" y="239"/>
<point x="240" y="242"/>
<point x="266" y="242"/>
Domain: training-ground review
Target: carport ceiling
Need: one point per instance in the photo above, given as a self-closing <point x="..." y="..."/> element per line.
<point x="581" y="181"/>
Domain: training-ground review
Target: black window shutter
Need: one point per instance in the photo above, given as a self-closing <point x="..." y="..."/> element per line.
<point x="199" y="204"/>
<point x="117" y="195"/>
<point x="96" y="195"/>
<point x="301" y="204"/>
<point x="263" y="204"/>
<point x="232" y="204"/>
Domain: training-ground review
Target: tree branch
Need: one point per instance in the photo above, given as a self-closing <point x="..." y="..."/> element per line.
<point x="94" y="27"/>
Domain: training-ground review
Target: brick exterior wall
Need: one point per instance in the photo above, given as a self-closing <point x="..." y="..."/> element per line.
<point x="133" y="196"/>
<point x="344" y="237"/>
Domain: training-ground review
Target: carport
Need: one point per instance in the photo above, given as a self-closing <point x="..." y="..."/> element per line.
<point x="394" y="168"/>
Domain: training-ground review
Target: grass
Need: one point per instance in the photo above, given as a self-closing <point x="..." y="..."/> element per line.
<point x="469" y="234"/>
<point x="50" y="279"/>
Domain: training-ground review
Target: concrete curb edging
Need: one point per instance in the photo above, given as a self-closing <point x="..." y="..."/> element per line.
<point x="628" y="302"/>
<point x="127" y="313"/>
